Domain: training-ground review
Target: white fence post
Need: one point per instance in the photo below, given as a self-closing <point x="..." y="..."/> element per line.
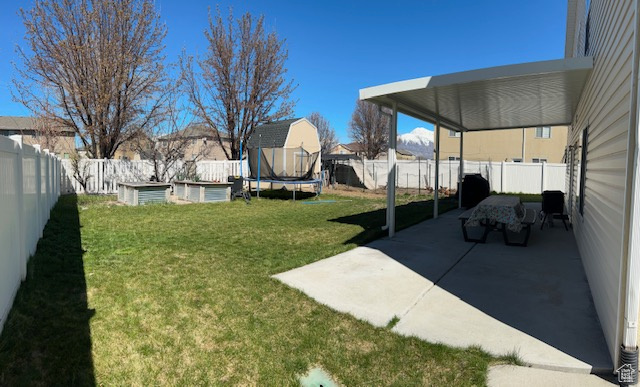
<point x="38" y="179"/>
<point x="502" y="178"/>
<point x="544" y="176"/>
<point x="20" y="226"/>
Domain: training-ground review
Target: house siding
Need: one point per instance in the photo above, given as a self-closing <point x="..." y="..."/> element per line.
<point x="506" y="145"/>
<point x="604" y="109"/>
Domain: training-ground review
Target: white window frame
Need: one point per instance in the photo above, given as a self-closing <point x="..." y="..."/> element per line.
<point x="539" y="160"/>
<point x="454" y="158"/>
<point x="453" y="133"/>
<point x="543" y="132"/>
<point x="516" y="160"/>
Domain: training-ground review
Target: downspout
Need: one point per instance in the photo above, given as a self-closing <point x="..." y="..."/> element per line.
<point x="631" y="226"/>
<point x="461" y="170"/>
<point x="437" y="161"/>
<point x="436" y="194"/>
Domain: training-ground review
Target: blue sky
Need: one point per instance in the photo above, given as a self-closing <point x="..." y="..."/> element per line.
<point x="338" y="47"/>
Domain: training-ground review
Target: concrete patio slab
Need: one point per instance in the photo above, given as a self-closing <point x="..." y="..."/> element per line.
<point x="509" y="376"/>
<point x="363" y="282"/>
<point x="533" y="301"/>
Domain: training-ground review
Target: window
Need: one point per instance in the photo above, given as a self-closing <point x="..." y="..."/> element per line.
<point x="583" y="170"/>
<point x="516" y="160"/>
<point x="453" y="133"/>
<point x="453" y="158"/>
<point x="538" y="160"/>
<point x="543" y="132"/>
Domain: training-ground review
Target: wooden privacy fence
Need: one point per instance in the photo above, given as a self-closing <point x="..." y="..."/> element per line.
<point x="29" y="188"/>
<point x="502" y="176"/>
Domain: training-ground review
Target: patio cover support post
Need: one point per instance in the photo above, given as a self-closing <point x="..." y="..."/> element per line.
<point x="461" y="170"/>
<point x="437" y="178"/>
<point x="391" y="175"/>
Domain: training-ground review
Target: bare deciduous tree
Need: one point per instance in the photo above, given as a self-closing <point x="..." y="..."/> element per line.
<point x="47" y="133"/>
<point x="326" y="133"/>
<point x="167" y="144"/>
<point x="241" y="79"/>
<point x="95" y="66"/>
<point x="369" y="127"/>
<point x="80" y="168"/>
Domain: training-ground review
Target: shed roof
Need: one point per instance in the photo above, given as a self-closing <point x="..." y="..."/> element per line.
<point x="273" y="134"/>
<point x="504" y="97"/>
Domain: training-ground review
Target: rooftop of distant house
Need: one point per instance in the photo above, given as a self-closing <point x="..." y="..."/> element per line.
<point x="22" y="123"/>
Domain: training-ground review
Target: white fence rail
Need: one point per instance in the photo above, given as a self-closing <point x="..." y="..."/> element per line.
<point x="502" y="176"/>
<point x="29" y="188"/>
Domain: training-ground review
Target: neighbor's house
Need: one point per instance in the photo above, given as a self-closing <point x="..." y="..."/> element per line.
<point x="527" y="145"/>
<point x="400" y="155"/>
<point x="134" y="149"/>
<point x="202" y="143"/>
<point x="352" y="148"/>
<point x="357" y="149"/>
<point x="59" y="140"/>
<point x="594" y="90"/>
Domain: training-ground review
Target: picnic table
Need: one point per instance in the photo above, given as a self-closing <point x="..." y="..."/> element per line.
<point x="499" y="212"/>
<point x="504" y="209"/>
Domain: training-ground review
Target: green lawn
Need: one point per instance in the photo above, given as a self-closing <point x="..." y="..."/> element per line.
<point x="182" y="295"/>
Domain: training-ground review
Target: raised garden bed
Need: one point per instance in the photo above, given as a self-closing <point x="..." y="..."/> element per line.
<point x="202" y="191"/>
<point x="139" y="193"/>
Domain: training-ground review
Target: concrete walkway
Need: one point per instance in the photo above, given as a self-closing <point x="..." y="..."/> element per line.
<point x="509" y="376"/>
<point x="533" y="301"/>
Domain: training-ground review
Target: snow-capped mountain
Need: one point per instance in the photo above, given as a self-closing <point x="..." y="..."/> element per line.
<point x="419" y="142"/>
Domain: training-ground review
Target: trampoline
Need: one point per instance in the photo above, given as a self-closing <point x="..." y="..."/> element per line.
<point x="284" y="166"/>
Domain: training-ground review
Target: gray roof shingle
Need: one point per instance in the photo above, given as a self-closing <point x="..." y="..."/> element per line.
<point x="23" y="123"/>
<point x="274" y="135"/>
<point x="194" y="130"/>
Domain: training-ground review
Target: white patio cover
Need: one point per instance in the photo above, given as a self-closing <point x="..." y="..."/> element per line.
<point x="504" y="97"/>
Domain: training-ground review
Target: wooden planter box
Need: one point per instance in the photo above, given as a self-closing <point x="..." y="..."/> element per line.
<point x="203" y="191"/>
<point x="135" y="194"/>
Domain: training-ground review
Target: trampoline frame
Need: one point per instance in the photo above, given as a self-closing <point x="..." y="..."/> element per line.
<point x="317" y="184"/>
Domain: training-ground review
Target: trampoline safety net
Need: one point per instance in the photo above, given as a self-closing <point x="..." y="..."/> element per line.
<point x="282" y="163"/>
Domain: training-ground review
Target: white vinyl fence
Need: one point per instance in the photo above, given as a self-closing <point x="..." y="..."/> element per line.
<point x="502" y="176"/>
<point x="104" y="175"/>
<point x="29" y="188"/>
